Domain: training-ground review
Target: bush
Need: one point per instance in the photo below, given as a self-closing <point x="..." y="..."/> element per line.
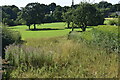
<point x="100" y="38"/>
<point x="106" y="40"/>
<point x="111" y="22"/>
<point x="9" y="37"/>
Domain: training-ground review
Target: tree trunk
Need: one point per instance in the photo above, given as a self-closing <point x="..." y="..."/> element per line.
<point x="83" y="28"/>
<point x="34" y="26"/>
<point x="68" y="25"/>
<point x="72" y="26"/>
<point x="29" y="27"/>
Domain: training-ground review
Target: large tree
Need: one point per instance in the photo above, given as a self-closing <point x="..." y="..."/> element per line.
<point x="52" y="6"/>
<point x="86" y="15"/>
<point x="9" y="14"/>
<point x="33" y="13"/>
<point x="68" y="17"/>
<point x="57" y="14"/>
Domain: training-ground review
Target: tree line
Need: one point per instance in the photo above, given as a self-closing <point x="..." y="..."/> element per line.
<point x="79" y="15"/>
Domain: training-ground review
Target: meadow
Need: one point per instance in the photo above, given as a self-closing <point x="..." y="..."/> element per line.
<point x="55" y="54"/>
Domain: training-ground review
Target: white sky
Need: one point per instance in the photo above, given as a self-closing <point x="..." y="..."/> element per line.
<point x="23" y="3"/>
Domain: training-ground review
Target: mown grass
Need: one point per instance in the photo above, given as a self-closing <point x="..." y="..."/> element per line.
<point x="46" y="30"/>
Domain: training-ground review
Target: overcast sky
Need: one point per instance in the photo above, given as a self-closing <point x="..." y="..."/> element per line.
<point x="22" y="3"/>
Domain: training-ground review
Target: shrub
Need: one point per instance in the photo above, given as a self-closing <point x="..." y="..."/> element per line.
<point x="102" y="38"/>
<point x="111" y="22"/>
<point x="9" y="37"/>
<point x="105" y="40"/>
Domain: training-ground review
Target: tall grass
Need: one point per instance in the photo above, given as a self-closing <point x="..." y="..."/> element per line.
<point x="60" y="58"/>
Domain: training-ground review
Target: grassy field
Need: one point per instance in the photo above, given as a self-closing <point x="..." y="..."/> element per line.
<point x="45" y="30"/>
<point x="50" y="54"/>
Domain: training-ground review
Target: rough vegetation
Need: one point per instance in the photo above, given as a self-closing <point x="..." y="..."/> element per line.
<point x="58" y="58"/>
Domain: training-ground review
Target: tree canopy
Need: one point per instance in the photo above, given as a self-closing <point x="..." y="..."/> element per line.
<point x="87" y="15"/>
<point x="33" y="13"/>
<point x="81" y="15"/>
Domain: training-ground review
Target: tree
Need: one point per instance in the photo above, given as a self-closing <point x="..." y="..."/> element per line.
<point x="33" y="13"/>
<point x="85" y="15"/>
<point x="104" y="4"/>
<point x="66" y="8"/>
<point x="67" y="16"/>
<point x="57" y="14"/>
<point x="49" y="18"/>
<point x="52" y="7"/>
<point x="19" y="19"/>
<point x="105" y="8"/>
<point x="9" y="14"/>
<point x="45" y="8"/>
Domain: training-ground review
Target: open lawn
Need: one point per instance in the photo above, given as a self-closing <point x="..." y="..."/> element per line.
<point x="44" y="30"/>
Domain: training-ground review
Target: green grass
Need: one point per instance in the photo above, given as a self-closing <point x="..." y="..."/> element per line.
<point x="61" y="30"/>
<point x="23" y="29"/>
<point x="111" y="21"/>
<point x="105" y="28"/>
<point x="110" y="18"/>
<point x="42" y="33"/>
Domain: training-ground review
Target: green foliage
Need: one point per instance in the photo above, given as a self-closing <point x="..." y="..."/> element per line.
<point x="104" y="4"/>
<point x="104" y="37"/>
<point x="87" y="15"/>
<point x="105" y="40"/>
<point x="9" y="37"/>
<point x="9" y="22"/>
<point x="9" y="14"/>
<point x="48" y="18"/>
<point x="57" y="14"/>
<point x="19" y="19"/>
<point x="52" y="6"/>
<point x="68" y="17"/>
<point x="114" y="15"/>
<point x="33" y="13"/>
<point x="111" y="21"/>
